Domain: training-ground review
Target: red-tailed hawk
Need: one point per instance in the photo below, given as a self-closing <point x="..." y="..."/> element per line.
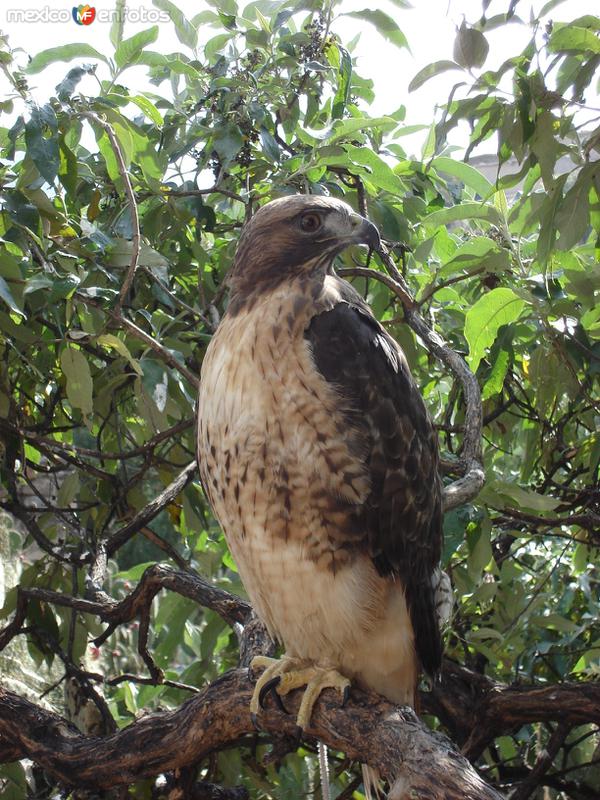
<point x="321" y="462"/>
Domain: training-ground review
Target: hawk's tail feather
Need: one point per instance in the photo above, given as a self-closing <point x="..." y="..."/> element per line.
<point x="372" y="783"/>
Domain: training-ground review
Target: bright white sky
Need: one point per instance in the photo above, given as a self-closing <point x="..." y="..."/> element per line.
<point x="430" y="28"/>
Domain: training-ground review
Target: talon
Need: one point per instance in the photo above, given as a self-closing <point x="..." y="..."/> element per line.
<point x="270" y="686"/>
<point x="345" y="696"/>
<point x="254" y="720"/>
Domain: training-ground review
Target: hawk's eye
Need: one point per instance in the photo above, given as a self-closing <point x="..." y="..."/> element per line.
<point x="311" y="222"/>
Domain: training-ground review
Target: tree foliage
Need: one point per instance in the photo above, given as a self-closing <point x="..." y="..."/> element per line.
<point x="120" y="214"/>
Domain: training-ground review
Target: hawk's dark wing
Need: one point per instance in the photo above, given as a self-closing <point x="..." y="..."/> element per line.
<point x="402" y="516"/>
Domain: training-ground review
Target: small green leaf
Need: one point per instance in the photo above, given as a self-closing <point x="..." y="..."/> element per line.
<point x="344" y="128"/>
<point x="129" y="49"/>
<point x="228" y="141"/>
<point x="148" y="108"/>
<point x="470" y="47"/>
<point x="430" y="71"/>
<point x="186" y="32"/>
<point x="269" y="145"/>
<point x="495" y="382"/>
<point x="571" y="39"/>
<point x="112" y="342"/>
<point x="376" y="170"/>
<point x="342" y="94"/>
<point x="69" y="489"/>
<point x="573" y="215"/>
<point x="79" y="380"/>
<point x="42" y="141"/>
<point x="118" y="23"/>
<point x="524" y="498"/>
<point x="470" y="176"/>
<point x="6" y="295"/>
<point x="66" y="52"/>
<point x="463" y="211"/>
<point x="66" y="88"/>
<point x="484" y="319"/>
<point x="384" y="24"/>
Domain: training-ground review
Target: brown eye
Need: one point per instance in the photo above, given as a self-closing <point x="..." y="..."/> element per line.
<point x="310" y="223"/>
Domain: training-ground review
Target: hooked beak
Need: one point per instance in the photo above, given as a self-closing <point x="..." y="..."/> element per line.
<point x="364" y="232"/>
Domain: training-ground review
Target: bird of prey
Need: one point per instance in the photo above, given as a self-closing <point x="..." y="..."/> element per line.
<point x="320" y="462"/>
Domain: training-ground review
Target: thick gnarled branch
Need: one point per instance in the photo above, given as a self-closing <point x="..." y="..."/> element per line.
<point x="417" y="762"/>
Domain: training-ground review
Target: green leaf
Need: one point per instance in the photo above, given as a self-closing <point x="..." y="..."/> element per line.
<point x="79" y="380"/>
<point x="42" y="141"/>
<point x="6" y="295"/>
<point x="172" y="63"/>
<point x="477" y="252"/>
<point x="571" y="39"/>
<point x="573" y="216"/>
<point x="495" y="382"/>
<point x="129" y="49"/>
<point x="547" y="231"/>
<point x="155" y="381"/>
<point x="470" y="176"/>
<point x="112" y="342"/>
<point x="69" y="489"/>
<point x="118" y="23"/>
<point x="148" y="108"/>
<point x="66" y="88"/>
<point x="384" y="24"/>
<point x="524" y="498"/>
<point x="376" y="170"/>
<point x="228" y="142"/>
<point x="66" y="52"/>
<point x="484" y="319"/>
<point x="470" y="47"/>
<point x="344" y="128"/>
<point x="186" y="32"/>
<point x="430" y="71"/>
<point x="463" y="211"/>
<point x="269" y="145"/>
<point x="342" y="94"/>
<point x="120" y="255"/>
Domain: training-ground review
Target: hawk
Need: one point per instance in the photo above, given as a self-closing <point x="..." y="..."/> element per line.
<point x="320" y="462"/>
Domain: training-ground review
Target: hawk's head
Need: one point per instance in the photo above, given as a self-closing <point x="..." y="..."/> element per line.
<point x="292" y="236"/>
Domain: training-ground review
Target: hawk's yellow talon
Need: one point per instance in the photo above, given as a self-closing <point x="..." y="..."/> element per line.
<point x="294" y="673"/>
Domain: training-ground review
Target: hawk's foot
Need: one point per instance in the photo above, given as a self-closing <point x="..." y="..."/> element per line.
<point x="282" y="676"/>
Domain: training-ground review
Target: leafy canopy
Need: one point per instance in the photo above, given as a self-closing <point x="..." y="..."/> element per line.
<point x="98" y="406"/>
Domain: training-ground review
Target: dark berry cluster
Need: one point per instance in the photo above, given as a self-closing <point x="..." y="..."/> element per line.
<point x="251" y="60"/>
<point x="250" y="134"/>
<point x="314" y="48"/>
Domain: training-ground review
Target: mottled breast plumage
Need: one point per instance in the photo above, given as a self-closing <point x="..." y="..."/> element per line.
<point x="320" y="460"/>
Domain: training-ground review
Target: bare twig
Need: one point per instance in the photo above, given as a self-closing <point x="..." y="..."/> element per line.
<point x="143" y="517"/>
<point x="161" y="351"/>
<point x="542" y="764"/>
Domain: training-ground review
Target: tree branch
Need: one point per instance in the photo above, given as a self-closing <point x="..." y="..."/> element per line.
<point x="147" y="514"/>
<point x="417" y="762"/>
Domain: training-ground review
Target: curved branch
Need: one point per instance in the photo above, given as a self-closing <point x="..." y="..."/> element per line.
<point x="417" y="762"/>
<point x="477" y="709"/>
